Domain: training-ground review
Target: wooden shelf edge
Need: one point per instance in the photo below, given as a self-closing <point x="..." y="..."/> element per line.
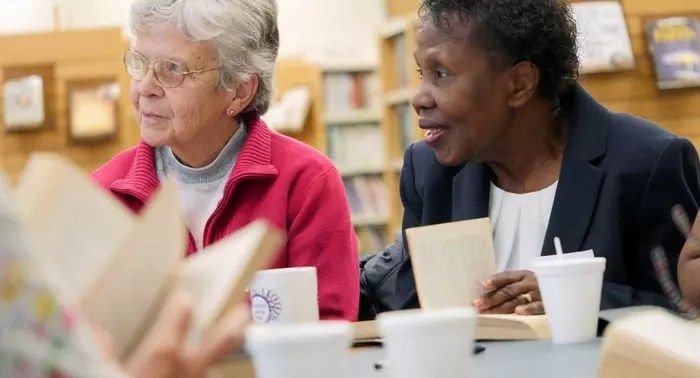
<point x="359" y="171"/>
<point x="370" y="220"/>
<point x="354" y="117"/>
<point x="394" y="27"/>
<point x="331" y="68"/>
<point x="399" y="96"/>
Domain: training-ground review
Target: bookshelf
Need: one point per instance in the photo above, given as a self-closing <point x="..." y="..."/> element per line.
<point x="399" y="121"/>
<point x="293" y="73"/>
<point x="356" y="144"/>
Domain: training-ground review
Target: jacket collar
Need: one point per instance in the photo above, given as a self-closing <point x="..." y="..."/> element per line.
<point x="254" y="161"/>
<point x="579" y="181"/>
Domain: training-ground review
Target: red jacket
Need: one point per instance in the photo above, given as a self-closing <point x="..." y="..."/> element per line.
<point x="283" y="181"/>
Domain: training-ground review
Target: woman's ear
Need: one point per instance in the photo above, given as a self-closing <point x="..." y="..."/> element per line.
<point x="243" y="94"/>
<point x="524" y="80"/>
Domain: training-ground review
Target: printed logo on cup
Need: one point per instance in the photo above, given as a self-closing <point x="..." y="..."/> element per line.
<point x="266" y="305"/>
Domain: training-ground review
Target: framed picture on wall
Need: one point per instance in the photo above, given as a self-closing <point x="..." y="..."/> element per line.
<point x="24" y="103"/>
<point x="93" y="111"/>
<point x="603" y="38"/>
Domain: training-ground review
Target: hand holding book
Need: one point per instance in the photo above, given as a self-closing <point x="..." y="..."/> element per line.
<point x="92" y="262"/>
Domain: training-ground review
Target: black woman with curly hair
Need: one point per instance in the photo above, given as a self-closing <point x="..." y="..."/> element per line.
<point x="511" y="135"/>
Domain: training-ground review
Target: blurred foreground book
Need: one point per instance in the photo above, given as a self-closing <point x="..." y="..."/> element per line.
<point x="652" y="344"/>
<point x="90" y="253"/>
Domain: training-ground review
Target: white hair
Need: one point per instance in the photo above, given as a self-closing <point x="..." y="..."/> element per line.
<point x="243" y="33"/>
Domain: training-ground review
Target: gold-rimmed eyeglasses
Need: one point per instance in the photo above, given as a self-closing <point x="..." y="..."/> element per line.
<point x="169" y="73"/>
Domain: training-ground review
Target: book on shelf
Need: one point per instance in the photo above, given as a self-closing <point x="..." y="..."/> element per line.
<point x="603" y="39"/>
<point x="368" y="197"/>
<point x="357" y="148"/>
<point x="654" y="344"/>
<point x="289" y="113"/>
<point x="118" y="267"/>
<point x="406" y="126"/>
<point x="401" y="62"/>
<point x="345" y="92"/>
<point x="488" y="327"/>
<point x="674" y="43"/>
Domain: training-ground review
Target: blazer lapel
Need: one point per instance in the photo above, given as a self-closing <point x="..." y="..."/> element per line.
<point x="573" y="208"/>
<point x="471" y="192"/>
<point x="580" y="180"/>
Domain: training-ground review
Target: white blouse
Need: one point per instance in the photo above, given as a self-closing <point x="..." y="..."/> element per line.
<point x="519" y="224"/>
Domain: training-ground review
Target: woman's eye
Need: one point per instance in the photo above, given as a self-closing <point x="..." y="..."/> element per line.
<point x="440" y="73"/>
<point x="171" y="67"/>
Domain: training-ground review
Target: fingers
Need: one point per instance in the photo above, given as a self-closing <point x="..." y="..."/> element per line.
<point x="696" y="226"/>
<point x="504" y="295"/>
<point x="226" y="337"/>
<point x="691" y="249"/>
<point x="534" y="308"/>
<point x="507" y="307"/>
<point x="104" y="342"/>
<point x="160" y="352"/>
<point x="502" y="279"/>
<point x="174" y="320"/>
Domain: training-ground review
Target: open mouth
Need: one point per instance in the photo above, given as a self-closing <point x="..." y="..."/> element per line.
<point x="433" y="135"/>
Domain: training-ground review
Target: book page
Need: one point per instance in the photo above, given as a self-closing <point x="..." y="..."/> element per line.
<point x="74" y="225"/>
<point x="512" y="327"/>
<point x="450" y="260"/>
<point x="129" y="294"/>
<point x="216" y="277"/>
<point x="665" y="332"/>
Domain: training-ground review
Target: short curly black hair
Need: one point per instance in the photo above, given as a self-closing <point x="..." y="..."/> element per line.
<point x="542" y="32"/>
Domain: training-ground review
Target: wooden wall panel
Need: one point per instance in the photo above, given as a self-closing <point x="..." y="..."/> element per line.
<point x="635" y="91"/>
<point x="62" y="58"/>
<point x="401" y="8"/>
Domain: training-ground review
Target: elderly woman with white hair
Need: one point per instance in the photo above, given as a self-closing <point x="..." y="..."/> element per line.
<point x="201" y="76"/>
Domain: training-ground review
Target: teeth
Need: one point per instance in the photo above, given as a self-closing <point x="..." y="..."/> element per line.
<point x="430" y="132"/>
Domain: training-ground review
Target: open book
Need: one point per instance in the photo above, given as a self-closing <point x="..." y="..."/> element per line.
<point x="119" y="268"/>
<point x="488" y="327"/>
<point x="449" y="261"/>
<point x="652" y="344"/>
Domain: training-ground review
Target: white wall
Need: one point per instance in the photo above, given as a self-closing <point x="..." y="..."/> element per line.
<point x="94" y="13"/>
<point x="320" y="30"/>
<point x="330" y="30"/>
<point x="18" y="16"/>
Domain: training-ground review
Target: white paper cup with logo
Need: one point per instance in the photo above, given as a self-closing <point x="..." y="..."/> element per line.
<point x="428" y="343"/>
<point x="571" y="290"/>
<point x="300" y="350"/>
<point x="288" y="295"/>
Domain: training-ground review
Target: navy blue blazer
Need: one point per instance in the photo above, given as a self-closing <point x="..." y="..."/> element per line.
<point x="619" y="178"/>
